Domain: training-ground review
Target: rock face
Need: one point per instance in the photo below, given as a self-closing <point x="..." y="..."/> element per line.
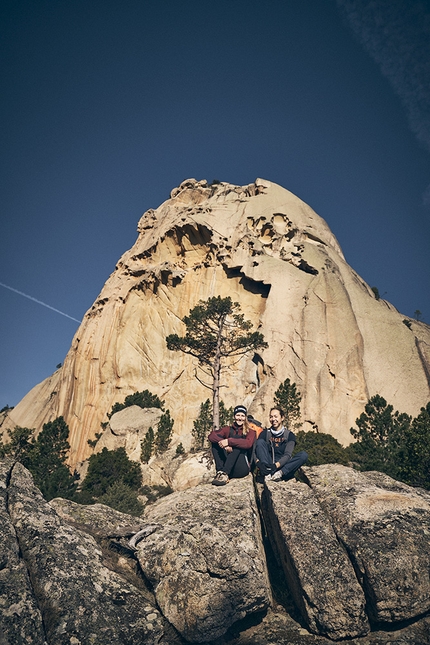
<point x="79" y="599"/>
<point x="317" y="569"/>
<point x="385" y="527"/>
<point x="270" y="252"/>
<point x="205" y="559"/>
<point x="195" y="564"/>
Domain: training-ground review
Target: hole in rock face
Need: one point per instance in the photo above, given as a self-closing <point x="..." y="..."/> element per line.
<point x="250" y="285"/>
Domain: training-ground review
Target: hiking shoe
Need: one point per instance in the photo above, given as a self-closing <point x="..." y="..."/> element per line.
<point x="277" y="476"/>
<point x="221" y="479"/>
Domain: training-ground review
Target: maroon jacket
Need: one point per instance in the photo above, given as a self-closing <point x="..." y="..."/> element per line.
<point x="234" y="435"/>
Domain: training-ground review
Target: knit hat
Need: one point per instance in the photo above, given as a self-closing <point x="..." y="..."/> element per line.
<point x="239" y="408"/>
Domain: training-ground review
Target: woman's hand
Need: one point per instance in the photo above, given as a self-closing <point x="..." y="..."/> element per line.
<point x="223" y="443"/>
<point x="228" y="449"/>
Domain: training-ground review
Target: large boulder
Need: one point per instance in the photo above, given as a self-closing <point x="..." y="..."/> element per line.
<point x="127" y="429"/>
<point x="269" y="251"/>
<point x="205" y="560"/>
<point x="20" y="618"/>
<point x="81" y="600"/>
<point x="317" y="570"/>
<point x="385" y="528"/>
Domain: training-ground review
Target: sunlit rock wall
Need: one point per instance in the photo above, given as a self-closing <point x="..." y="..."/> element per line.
<point x="274" y="255"/>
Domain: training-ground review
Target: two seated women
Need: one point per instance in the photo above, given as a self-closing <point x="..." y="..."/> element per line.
<point x="235" y="448"/>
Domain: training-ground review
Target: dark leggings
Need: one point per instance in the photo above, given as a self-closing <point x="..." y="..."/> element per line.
<point x="234" y="463"/>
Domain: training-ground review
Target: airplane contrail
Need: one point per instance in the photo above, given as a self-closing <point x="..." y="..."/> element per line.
<point x="39" y="302"/>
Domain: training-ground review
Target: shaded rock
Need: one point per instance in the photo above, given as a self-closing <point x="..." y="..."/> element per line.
<point x="81" y="600"/>
<point x="317" y="569"/>
<point x="97" y="519"/>
<point x="205" y="558"/>
<point x="385" y="527"/>
<point x="277" y="628"/>
<point x="20" y="618"/>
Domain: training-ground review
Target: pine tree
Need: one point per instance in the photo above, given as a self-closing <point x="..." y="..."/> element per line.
<point x="202" y="426"/>
<point x="216" y="332"/>
<point x="414" y="454"/>
<point x="147" y="446"/>
<point x="107" y="467"/>
<point x="164" y="433"/>
<point x="379" y="437"/>
<point x="289" y="398"/>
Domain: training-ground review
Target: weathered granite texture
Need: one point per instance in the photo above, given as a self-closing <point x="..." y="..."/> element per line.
<point x="20" y="617"/>
<point x="205" y="558"/>
<point x="385" y="527"/>
<point x="272" y="253"/>
<point x="317" y="569"/>
<point x="70" y="574"/>
<point x="81" y="600"/>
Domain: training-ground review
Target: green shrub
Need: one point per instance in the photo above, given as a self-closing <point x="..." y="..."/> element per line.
<point x="143" y="399"/>
<point x="152" y="493"/>
<point x="107" y="467"/>
<point x="122" y="498"/>
<point x="322" y="448"/>
<point x="180" y="450"/>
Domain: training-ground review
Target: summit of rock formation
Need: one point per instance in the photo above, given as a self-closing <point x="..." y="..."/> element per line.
<point x="270" y="252"/>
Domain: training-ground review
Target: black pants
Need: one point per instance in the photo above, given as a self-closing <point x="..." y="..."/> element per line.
<point x="234" y="463"/>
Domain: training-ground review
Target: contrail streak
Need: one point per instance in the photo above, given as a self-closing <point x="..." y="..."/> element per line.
<point x="39" y="302"/>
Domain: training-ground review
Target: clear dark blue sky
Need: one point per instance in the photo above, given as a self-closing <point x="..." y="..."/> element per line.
<point x="107" y="105"/>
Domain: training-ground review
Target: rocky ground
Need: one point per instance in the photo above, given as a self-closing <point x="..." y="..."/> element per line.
<point x="339" y="556"/>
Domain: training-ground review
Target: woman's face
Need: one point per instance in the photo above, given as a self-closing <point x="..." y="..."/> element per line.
<point x="239" y="417"/>
<point x="275" y="419"/>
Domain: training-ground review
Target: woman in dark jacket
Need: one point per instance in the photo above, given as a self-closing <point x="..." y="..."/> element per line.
<point x="232" y="447"/>
<point x="274" y="450"/>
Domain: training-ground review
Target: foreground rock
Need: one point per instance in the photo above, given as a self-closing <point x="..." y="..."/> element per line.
<point x="205" y="558"/>
<point x="385" y="528"/>
<point x="20" y="618"/>
<point x="317" y="570"/>
<point x="81" y="600"/>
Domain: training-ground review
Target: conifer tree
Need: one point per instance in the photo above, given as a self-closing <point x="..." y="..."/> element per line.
<point x="216" y="334"/>
<point x="164" y="433"/>
<point x="147" y="446"/>
<point x="289" y="398"/>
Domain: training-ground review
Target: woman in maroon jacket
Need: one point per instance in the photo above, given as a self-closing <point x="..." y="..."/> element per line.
<point x="231" y="448"/>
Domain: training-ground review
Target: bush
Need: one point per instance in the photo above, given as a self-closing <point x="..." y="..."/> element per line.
<point x="152" y="493"/>
<point x="414" y="453"/>
<point x="322" y="448"/>
<point x="122" y="498"/>
<point x="143" y="399"/>
<point x="108" y="467"/>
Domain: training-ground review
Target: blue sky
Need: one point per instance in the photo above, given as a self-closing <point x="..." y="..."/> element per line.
<point x="106" y="106"/>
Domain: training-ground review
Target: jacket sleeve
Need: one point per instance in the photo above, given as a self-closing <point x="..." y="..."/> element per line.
<point x="243" y="442"/>
<point x="288" y="450"/>
<point x="217" y="435"/>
